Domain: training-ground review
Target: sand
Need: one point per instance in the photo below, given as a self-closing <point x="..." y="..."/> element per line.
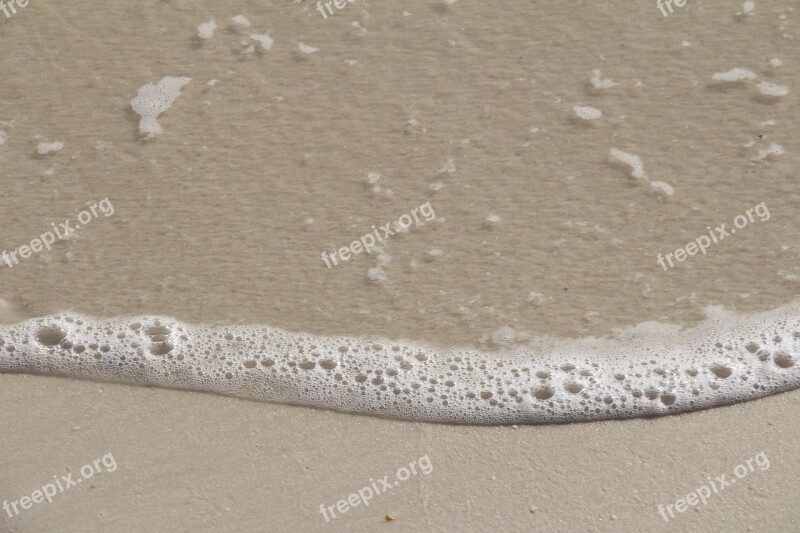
<point x="223" y="217"/>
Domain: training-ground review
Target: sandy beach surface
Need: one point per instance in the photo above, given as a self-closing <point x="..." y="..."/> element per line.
<point x="298" y="133"/>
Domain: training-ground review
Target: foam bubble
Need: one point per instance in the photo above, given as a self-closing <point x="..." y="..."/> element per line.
<point x="587" y="112"/>
<point x="306" y="49"/>
<point x="748" y="7"/>
<point x="637" y="171"/>
<point x="206" y="29"/>
<point x="770" y="89"/>
<point x="642" y="371"/>
<point x="601" y="83"/>
<point x="377" y="273"/>
<point x="448" y="168"/>
<point x="662" y="187"/>
<point x="734" y="75"/>
<point x="263" y="39"/>
<point x="764" y="153"/>
<point x="46" y="148"/>
<point x="152" y="100"/>
<point x="538" y="298"/>
<point x="3" y="137"/>
<point x="241" y="20"/>
<point x="633" y="161"/>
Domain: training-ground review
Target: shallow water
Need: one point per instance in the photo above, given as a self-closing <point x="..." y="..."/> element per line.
<point x="269" y="157"/>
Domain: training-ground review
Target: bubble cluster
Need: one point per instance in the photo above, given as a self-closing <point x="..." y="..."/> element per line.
<point x="241" y="20"/>
<point x="206" y="30"/>
<point x="46" y="148"/>
<point x="152" y="100"/>
<point x="264" y="40"/>
<point x="765" y="88"/>
<point x="585" y="112"/>
<point x="598" y="82"/>
<point x="726" y="359"/>
<point x="770" y="89"/>
<point x="637" y="171"/>
<point x="734" y="75"/>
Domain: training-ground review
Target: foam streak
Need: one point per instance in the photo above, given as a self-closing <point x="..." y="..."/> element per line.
<point x="726" y="359"/>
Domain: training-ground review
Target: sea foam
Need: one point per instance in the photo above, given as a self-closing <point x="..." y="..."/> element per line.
<point x="641" y="371"/>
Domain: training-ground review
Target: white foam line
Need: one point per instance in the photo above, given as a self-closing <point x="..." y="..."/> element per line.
<point x="726" y="359"/>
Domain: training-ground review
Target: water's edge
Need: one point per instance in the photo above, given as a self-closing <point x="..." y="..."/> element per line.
<point x="728" y="358"/>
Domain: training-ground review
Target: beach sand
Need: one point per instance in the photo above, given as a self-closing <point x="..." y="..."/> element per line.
<point x="264" y="163"/>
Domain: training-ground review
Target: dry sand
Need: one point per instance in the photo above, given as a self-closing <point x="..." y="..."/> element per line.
<point x="222" y="219"/>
